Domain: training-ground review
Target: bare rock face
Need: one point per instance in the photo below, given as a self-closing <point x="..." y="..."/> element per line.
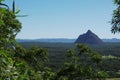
<point x="89" y="38"/>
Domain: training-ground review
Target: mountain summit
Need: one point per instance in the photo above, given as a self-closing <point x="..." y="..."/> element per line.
<point x="89" y="38"/>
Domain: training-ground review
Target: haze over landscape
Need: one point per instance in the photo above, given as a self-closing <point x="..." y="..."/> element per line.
<point x="65" y="18"/>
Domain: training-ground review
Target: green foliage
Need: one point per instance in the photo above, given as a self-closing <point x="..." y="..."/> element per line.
<point x="13" y="70"/>
<point x="6" y="65"/>
<point x="12" y="64"/>
<point x="116" y="18"/>
<point x="14" y="59"/>
<point x="82" y="64"/>
<point x="1" y="0"/>
<point x="19" y="52"/>
<point x="9" y="27"/>
<point x="36" y="57"/>
<point x="3" y="5"/>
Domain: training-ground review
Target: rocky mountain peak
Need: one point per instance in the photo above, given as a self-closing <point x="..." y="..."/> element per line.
<point x="89" y="38"/>
<point x="89" y="32"/>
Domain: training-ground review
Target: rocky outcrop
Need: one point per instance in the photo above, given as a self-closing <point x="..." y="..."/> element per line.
<point x="89" y="38"/>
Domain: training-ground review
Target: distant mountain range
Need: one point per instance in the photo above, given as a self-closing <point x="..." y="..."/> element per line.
<point x="111" y="40"/>
<point x="54" y="40"/>
<point x="62" y="40"/>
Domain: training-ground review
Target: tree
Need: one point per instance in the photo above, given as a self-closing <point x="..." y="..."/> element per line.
<point x="9" y="27"/>
<point x="12" y="67"/>
<point x="82" y="64"/>
<point x="36" y="57"/>
<point x="116" y="18"/>
<point x="13" y="57"/>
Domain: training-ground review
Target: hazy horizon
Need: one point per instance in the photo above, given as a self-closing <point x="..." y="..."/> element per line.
<point x="64" y="18"/>
<point x="60" y="38"/>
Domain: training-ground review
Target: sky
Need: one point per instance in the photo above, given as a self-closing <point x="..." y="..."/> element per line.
<point x="64" y="18"/>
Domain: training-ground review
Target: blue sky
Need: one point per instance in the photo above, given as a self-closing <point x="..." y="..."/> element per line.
<point x="65" y="18"/>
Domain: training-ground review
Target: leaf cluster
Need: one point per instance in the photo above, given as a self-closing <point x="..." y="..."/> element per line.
<point x="9" y="27"/>
<point x="115" y="22"/>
